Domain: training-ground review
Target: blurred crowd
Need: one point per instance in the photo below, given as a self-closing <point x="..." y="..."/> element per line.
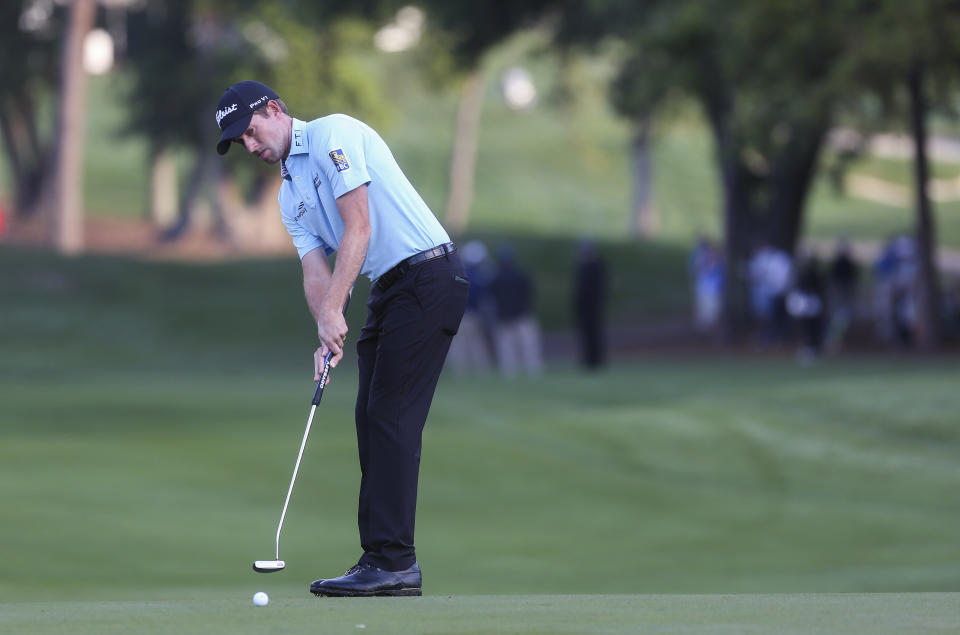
<point x="821" y="305"/>
<point x="816" y="302"/>
<point x="500" y="329"/>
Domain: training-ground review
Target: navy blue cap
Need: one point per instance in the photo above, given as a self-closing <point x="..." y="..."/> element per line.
<point x="235" y="109"/>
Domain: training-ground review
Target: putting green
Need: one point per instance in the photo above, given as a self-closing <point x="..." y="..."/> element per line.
<point x="833" y="613"/>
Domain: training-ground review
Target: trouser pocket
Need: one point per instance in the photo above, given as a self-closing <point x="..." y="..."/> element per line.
<point x="457" y="303"/>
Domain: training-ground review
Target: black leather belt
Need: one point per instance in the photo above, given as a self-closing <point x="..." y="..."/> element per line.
<point x="386" y="280"/>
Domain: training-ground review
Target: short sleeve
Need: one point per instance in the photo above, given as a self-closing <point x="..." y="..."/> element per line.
<point x="342" y="158"/>
<point x="304" y="241"/>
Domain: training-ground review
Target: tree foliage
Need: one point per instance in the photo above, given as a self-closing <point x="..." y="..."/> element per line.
<point x="767" y="75"/>
<point x="909" y="58"/>
<point x="185" y="53"/>
<point x="471" y="27"/>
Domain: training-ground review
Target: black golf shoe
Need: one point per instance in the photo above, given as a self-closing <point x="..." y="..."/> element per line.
<point x="365" y="580"/>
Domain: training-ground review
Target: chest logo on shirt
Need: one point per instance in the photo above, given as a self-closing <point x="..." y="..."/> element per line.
<point x="339" y="160"/>
<point x="301" y="210"/>
<point x="316" y="180"/>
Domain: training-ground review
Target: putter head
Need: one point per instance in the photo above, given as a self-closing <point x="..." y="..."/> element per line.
<point x="268" y="566"/>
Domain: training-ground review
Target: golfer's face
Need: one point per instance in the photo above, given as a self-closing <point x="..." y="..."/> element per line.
<point x="264" y="137"/>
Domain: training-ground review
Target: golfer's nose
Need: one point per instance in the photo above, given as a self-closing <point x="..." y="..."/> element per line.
<point x="249" y="144"/>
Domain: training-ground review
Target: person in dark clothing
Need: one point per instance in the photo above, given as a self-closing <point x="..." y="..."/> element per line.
<point x="843" y="293"/>
<point x="517" y="334"/>
<point x="589" y="303"/>
<point x="806" y="304"/>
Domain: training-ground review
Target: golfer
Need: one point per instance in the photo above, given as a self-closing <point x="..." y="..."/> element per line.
<point x="343" y="192"/>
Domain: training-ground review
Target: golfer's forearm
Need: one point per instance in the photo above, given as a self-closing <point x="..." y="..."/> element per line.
<point x="314" y="290"/>
<point x="316" y="280"/>
<point x="353" y="248"/>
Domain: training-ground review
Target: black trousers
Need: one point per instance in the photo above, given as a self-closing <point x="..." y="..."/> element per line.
<point x="401" y="351"/>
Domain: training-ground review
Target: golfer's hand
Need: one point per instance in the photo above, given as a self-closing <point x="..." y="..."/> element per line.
<point x="332" y="331"/>
<point x="318" y="356"/>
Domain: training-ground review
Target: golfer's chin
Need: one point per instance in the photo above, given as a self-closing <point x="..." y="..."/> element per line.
<point x="268" y="157"/>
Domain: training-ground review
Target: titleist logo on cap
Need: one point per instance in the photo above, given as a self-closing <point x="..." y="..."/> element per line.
<point x="223" y="112"/>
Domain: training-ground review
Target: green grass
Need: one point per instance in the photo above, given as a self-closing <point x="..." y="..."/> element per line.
<point x="887" y="613"/>
<point x="151" y="415"/>
<point x="660" y="477"/>
<point x="115" y="169"/>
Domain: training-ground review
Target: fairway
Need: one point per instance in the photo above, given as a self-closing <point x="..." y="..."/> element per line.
<point x="847" y="613"/>
<point x="681" y="477"/>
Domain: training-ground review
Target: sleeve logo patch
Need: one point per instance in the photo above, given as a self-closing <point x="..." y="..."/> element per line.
<point x="339" y="160"/>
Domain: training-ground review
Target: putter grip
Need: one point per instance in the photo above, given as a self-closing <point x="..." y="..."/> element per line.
<point x="318" y="393"/>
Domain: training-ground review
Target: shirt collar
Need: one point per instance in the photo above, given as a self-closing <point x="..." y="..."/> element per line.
<point x="298" y="144"/>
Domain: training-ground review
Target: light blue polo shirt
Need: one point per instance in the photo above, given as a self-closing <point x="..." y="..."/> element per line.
<point x="329" y="157"/>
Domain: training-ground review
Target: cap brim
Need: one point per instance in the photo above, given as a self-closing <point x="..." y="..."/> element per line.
<point x="231" y="132"/>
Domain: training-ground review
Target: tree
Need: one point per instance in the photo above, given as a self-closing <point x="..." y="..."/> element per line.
<point x="47" y="172"/>
<point x="66" y="211"/>
<point x="185" y="53"/>
<point x="910" y="55"/>
<point x="26" y="85"/>
<point x="766" y="74"/>
<point x="468" y="29"/>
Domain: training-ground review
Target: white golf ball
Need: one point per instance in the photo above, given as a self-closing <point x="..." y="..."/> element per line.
<point x="260" y="598"/>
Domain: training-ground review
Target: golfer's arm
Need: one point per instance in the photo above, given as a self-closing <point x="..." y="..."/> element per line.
<point x="355" y="213"/>
<point x="316" y="279"/>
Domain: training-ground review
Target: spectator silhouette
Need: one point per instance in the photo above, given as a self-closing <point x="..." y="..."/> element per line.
<point x="517" y="333"/>
<point x="470" y="349"/>
<point x="770" y="272"/>
<point x="706" y="270"/>
<point x="806" y="304"/>
<point x="884" y="278"/>
<point x="589" y="305"/>
<point x="905" y="300"/>
<point x="842" y="295"/>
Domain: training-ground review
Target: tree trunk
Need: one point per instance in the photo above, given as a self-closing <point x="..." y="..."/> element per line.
<point x="791" y="180"/>
<point x="463" y="162"/>
<point x="12" y="133"/>
<point x="644" y="214"/>
<point x="929" y="324"/>
<point x="67" y="206"/>
<point x="164" y="194"/>
<point x="736" y="219"/>
<point x="736" y="229"/>
<point x="28" y="160"/>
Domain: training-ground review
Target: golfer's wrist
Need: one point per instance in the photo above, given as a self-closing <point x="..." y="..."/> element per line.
<point x="327" y="308"/>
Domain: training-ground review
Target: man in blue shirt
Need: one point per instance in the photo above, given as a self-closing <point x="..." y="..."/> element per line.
<point x="343" y="192"/>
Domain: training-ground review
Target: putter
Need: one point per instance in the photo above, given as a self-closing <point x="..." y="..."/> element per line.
<point x="269" y="566"/>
